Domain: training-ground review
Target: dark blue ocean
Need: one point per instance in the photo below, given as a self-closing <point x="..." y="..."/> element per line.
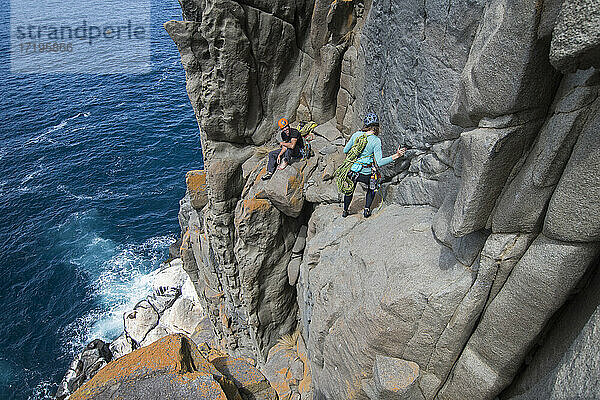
<point x="91" y="171"/>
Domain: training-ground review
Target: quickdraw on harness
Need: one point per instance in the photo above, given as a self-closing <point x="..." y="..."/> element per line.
<point x="306" y="130"/>
<point x="375" y="181"/>
<point x="344" y="182"/>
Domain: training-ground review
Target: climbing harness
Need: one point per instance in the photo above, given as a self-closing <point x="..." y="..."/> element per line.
<point x="343" y="179"/>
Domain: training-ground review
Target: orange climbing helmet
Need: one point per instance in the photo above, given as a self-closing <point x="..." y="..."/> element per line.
<point x="282" y="123"/>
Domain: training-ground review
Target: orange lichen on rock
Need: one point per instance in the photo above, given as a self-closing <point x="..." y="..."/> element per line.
<point x="282" y="367"/>
<point x="260" y="175"/>
<point x="253" y="205"/>
<point x="305" y="384"/>
<point x="197" y="188"/>
<point x="282" y="385"/>
<point x="295" y="182"/>
<point x="172" y="363"/>
<point x="185" y="241"/>
<point x="244" y="375"/>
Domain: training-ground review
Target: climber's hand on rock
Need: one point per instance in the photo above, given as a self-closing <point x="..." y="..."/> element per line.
<point x="401" y="151"/>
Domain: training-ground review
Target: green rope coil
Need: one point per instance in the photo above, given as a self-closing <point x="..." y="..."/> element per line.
<point x="345" y="184"/>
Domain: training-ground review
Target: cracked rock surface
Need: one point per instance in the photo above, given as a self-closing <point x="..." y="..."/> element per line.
<point x="486" y="231"/>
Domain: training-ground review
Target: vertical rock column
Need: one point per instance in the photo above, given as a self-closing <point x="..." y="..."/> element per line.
<point x="525" y="294"/>
<point x="245" y="67"/>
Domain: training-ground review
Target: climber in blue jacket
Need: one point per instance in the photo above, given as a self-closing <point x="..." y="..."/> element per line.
<point x="365" y="165"/>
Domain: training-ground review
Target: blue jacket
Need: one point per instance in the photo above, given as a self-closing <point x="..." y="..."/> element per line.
<point x="372" y="150"/>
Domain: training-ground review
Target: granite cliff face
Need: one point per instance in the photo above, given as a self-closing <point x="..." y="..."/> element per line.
<point x="476" y="278"/>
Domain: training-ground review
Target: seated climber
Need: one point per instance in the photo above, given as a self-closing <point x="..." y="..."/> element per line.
<point x="363" y="157"/>
<point x="291" y="145"/>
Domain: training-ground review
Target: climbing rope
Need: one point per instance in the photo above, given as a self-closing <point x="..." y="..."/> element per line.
<point x="343" y="182"/>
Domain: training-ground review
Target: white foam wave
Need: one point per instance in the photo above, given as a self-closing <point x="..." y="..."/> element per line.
<point x="54" y="128"/>
<point x="41" y="138"/>
<point x="57" y="127"/>
<point x="101" y="195"/>
<point x="44" y="390"/>
<point x="119" y="284"/>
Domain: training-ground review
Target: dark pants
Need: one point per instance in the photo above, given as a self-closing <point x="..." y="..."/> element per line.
<point x="366" y="179"/>
<point x="287" y="156"/>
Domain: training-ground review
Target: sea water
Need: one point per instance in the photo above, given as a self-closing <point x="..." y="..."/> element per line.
<point x="91" y="171"/>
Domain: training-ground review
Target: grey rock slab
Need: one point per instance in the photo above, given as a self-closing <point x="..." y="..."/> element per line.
<point x="576" y="36"/>
<point x="504" y="251"/>
<point x="319" y="191"/>
<point x="411" y="54"/>
<point x="242" y="63"/>
<point x="164" y="298"/>
<point x="122" y="345"/>
<point x="579" y="96"/>
<point x="537" y="287"/>
<point x="550" y="10"/>
<point x="300" y="242"/>
<point x="508" y="70"/>
<point x="83" y="367"/>
<point x="140" y="321"/>
<point x="321" y="87"/>
<point x="488" y="158"/>
<point x="565" y="364"/>
<point x="323" y="146"/>
<point x="417" y="189"/>
<point x="446" y="151"/>
<point x="319" y="187"/>
<point x="175" y="249"/>
<point x="293" y="270"/>
<point x="443" y="308"/>
<point x="157" y="333"/>
<point x="185" y="207"/>
<point x="396" y="379"/>
<point x="508" y="120"/>
<point x="465" y="248"/>
<point x="204" y="333"/>
<point x="574" y="210"/>
<point x="285" y="189"/>
<point x="414" y="190"/>
<point x="183" y="316"/>
<point x="392" y="295"/>
<point x="224" y="175"/>
<point x="264" y="239"/>
<point x="427" y="165"/>
<point x="250" y="164"/>
<point x="522" y="205"/>
<point x="170" y="276"/>
<point x="339" y="142"/>
<point x="499" y="254"/>
<point x="322" y="84"/>
<point x="328" y="131"/>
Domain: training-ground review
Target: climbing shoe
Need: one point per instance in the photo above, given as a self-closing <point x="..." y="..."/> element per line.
<point x="344" y="213"/>
<point x="367" y="213"/>
<point x="283" y="164"/>
<point x="267" y="176"/>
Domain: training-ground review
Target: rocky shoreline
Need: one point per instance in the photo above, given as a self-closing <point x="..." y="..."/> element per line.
<point x="173" y="307"/>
